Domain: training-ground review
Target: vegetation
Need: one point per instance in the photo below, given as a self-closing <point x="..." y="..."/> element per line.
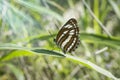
<point x="27" y="49"/>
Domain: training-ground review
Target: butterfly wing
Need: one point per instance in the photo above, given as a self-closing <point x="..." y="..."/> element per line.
<point x="67" y="37"/>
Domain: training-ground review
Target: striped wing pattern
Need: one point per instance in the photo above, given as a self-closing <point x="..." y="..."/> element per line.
<point x="67" y="38"/>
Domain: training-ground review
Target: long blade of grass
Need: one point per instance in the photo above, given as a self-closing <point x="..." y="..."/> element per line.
<point x="40" y="9"/>
<point x="91" y="65"/>
<point x="16" y="71"/>
<point x="21" y="51"/>
<point x="92" y="38"/>
<point x="115" y="7"/>
<point x="92" y="14"/>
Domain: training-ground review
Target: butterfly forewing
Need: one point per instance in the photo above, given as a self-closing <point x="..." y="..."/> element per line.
<point x="67" y="37"/>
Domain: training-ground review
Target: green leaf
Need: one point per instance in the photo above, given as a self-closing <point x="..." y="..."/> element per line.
<point x="91" y="65"/>
<point x="30" y="52"/>
<point x="92" y="38"/>
<point x="23" y="51"/>
<point x="48" y="52"/>
<point x="15" y="54"/>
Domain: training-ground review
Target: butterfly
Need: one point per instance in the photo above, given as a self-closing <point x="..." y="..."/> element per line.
<point x="67" y="38"/>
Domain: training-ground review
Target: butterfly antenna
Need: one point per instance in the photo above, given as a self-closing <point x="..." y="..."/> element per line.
<point x="50" y="36"/>
<point x="56" y="26"/>
<point x="49" y="33"/>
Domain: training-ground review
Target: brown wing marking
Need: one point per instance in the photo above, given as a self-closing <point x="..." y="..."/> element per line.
<point x="68" y="44"/>
<point x="75" y="45"/>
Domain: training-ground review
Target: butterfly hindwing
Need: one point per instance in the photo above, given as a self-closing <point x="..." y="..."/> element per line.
<point x="67" y="37"/>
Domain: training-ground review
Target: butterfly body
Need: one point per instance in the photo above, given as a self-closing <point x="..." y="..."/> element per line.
<point x="67" y="38"/>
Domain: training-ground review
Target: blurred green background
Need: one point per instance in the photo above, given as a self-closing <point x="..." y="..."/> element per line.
<point x="34" y="23"/>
